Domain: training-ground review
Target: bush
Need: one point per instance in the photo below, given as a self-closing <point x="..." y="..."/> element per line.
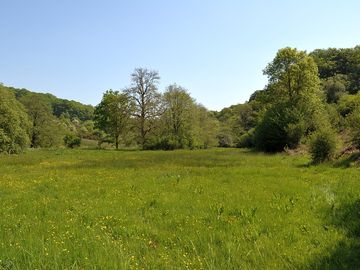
<point x="282" y="126"/>
<point x="354" y="124"/>
<point x="224" y="140"/>
<point x="163" y="143"/>
<point x="72" y="141"/>
<point x="246" y="140"/>
<point x="322" y="145"/>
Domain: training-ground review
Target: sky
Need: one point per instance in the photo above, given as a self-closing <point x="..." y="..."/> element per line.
<point x="78" y="49"/>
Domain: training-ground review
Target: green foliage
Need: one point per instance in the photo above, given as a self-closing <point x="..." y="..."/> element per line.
<point x="247" y="140"/>
<point x="333" y="62"/>
<point x="296" y="106"/>
<point x="348" y="104"/>
<point x="148" y="102"/>
<point x="334" y="88"/>
<point x="282" y="126"/>
<point x="72" y="141"/>
<point x="354" y="124"/>
<point x="225" y="140"/>
<point x="73" y="108"/>
<point x="293" y="76"/>
<point x="113" y="115"/>
<point x="236" y="121"/>
<point x="163" y="143"/>
<point x="205" y="128"/>
<point x="201" y="132"/>
<point x="87" y="129"/>
<point x="45" y="130"/>
<point x="178" y="116"/>
<point x="334" y="116"/>
<point x="59" y="106"/>
<point x="322" y="145"/>
<point x="14" y="124"/>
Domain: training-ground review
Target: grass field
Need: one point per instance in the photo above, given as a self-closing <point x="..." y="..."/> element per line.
<point x="210" y="209"/>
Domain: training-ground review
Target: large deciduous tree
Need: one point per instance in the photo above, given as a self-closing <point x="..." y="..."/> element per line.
<point x="113" y="114"/>
<point x="293" y="76"/>
<point x="346" y="62"/>
<point x="296" y="101"/>
<point x="147" y="99"/>
<point x="14" y="124"/>
<point x="178" y="108"/>
<point x="45" y="129"/>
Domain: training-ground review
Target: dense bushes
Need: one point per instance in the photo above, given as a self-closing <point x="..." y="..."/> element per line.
<point x="322" y="145"/>
<point x="225" y="140"/>
<point x="72" y="141"/>
<point x="281" y="126"/>
<point x="354" y="124"/>
<point x="163" y="143"/>
<point x="247" y="139"/>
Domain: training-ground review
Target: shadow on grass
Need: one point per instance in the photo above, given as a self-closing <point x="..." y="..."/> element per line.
<point x="346" y="254"/>
<point x="344" y="162"/>
<point x="305" y="165"/>
<point x="348" y="161"/>
<point x="110" y="149"/>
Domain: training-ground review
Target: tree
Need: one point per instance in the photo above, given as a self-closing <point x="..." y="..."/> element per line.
<point x="113" y="114"/>
<point x="296" y="107"/>
<point x="205" y="128"/>
<point x="45" y="130"/>
<point x="348" y="104"/>
<point x="148" y="109"/>
<point x="345" y="62"/>
<point x="322" y="145"/>
<point x="334" y="87"/>
<point x="293" y="76"/>
<point x="72" y="141"/>
<point x="282" y="125"/>
<point x="14" y="124"/>
<point x="178" y="107"/>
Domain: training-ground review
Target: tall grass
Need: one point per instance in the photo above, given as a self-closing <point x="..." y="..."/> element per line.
<point x="210" y="209"/>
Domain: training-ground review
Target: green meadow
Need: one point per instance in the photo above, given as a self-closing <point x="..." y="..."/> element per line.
<point x="204" y="209"/>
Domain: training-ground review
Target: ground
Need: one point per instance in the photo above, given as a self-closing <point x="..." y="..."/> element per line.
<point x="204" y="209"/>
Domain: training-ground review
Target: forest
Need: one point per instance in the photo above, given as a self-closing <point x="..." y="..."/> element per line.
<point x="311" y="104"/>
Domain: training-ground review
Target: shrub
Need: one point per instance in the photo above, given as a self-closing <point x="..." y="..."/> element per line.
<point x="72" y="141"/>
<point x="354" y="124"/>
<point x="322" y="145"/>
<point x="163" y="143"/>
<point x="246" y="140"/>
<point x="348" y="104"/>
<point x="281" y="126"/>
<point x="224" y="140"/>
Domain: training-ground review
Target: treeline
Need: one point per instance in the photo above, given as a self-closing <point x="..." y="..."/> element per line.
<point x="140" y="115"/>
<point x="59" y="107"/>
<point x="311" y="102"/>
<point x="29" y="119"/>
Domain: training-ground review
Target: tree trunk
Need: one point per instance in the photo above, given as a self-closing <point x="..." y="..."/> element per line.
<point x="117" y="142"/>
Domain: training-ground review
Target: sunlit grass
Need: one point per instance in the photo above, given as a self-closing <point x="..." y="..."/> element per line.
<point x="210" y="209"/>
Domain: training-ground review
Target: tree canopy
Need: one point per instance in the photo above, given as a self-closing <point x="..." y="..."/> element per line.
<point x="113" y="114"/>
<point x="14" y="124"/>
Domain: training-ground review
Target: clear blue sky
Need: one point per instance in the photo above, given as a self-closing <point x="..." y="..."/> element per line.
<point x="77" y="49"/>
